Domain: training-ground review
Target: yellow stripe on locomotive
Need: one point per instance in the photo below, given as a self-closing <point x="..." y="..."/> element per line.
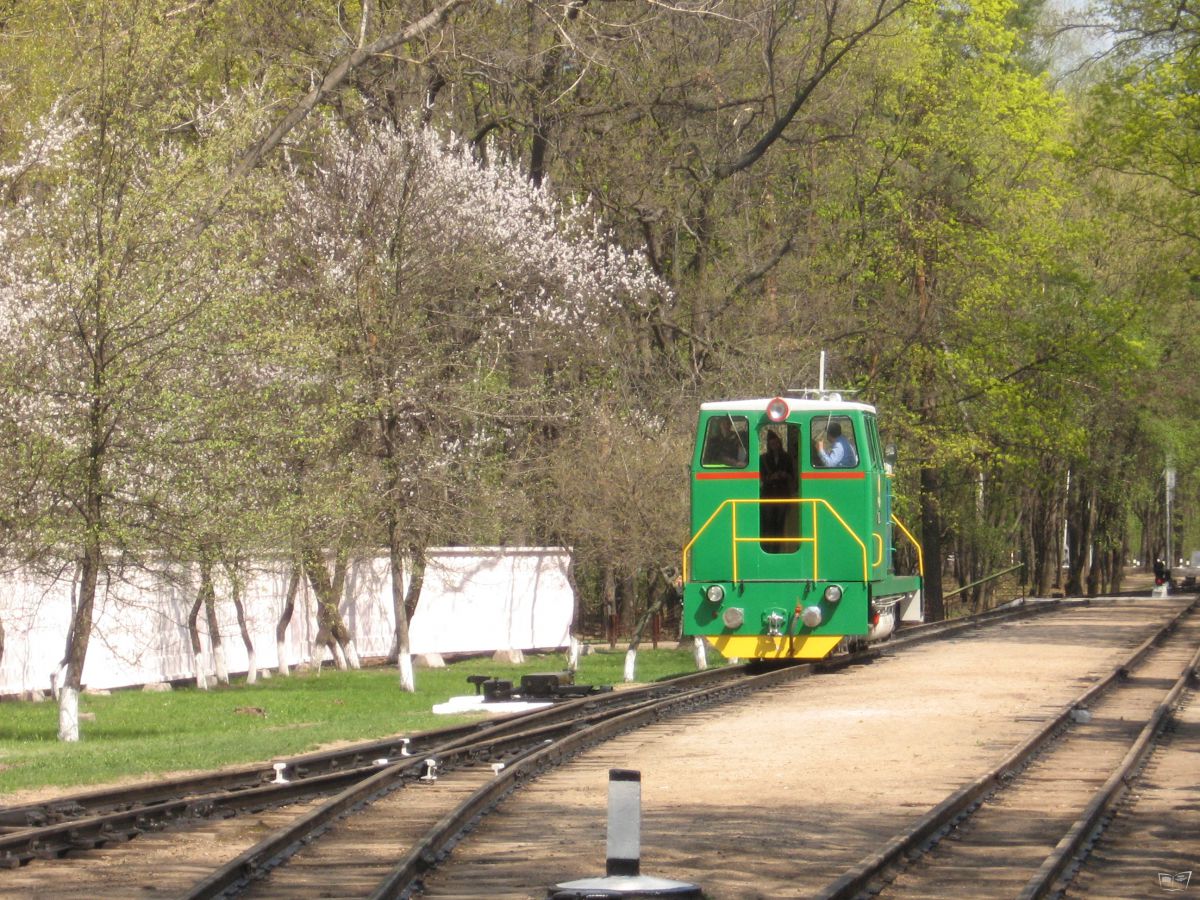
<point x="792" y="530"/>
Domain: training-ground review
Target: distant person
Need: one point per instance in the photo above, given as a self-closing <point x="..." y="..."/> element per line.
<point x="835" y="451"/>
<point x="1161" y="573"/>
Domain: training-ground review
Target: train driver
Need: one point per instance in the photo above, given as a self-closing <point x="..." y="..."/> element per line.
<point x="835" y="451"/>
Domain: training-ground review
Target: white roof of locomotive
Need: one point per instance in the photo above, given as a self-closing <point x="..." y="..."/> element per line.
<point x="795" y="404"/>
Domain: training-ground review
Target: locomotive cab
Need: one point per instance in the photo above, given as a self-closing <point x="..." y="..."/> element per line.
<point x="792" y="530"/>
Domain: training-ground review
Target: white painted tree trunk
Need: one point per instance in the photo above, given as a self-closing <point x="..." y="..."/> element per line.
<point x="573" y="652"/>
<point x="201" y="672"/>
<point x="219" y="661"/>
<point x="352" y="655"/>
<point x="700" y="655"/>
<point x="630" y="666"/>
<point x="68" y="714"/>
<point x="281" y="652"/>
<point x="339" y="658"/>
<point x="407" y="682"/>
<point x="251" y="669"/>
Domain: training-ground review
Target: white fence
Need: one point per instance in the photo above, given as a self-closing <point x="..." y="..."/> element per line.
<point x="475" y="599"/>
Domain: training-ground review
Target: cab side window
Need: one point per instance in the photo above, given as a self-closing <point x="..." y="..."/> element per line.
<point x="725" y="442"/>
<point x="873" y="443"/>
<point x="834" y="444"/>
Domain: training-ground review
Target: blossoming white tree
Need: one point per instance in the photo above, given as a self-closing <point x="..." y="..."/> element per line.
<point x="450" y="292"/>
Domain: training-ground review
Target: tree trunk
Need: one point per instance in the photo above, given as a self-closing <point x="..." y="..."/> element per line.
<point x="575" y="641"/>
<point x="235" y="591"/>
<point x="931" y="544"/>
<point x="1119" y="555"/>
<point x="329" y="619"/>
<point x="402" y="598"/>
<point x="661" y="590"/>
<point x="1099" y="563"/>
<point x="1080" y="517"/>
<point x="340" y="632"/>
<point x="285" y="619"/>
<point x="610" y="606"/>
<point x="658" y="600"/>
<point x="1043" y="524"/>
<point x="209" y="593"/>
<point x="81" y="631"/>
<point x="197" y="647"/>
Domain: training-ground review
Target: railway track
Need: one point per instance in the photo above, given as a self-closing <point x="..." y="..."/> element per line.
<point x="470" y="781"/>
<point x="1149" y="842"/>
<point x="1020" y="830"/>
<point x="782" y="795"/>
<point x="350" y="800"/>
<point x="90" y="819"/>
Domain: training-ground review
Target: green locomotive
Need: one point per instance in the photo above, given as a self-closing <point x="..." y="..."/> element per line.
<point x="792" y="530"/>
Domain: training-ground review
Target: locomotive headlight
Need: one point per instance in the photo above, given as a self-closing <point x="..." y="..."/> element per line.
<point x="811" y="616"/>
<point x="833" y="593"/>
<point x="777" y="410"/>
<point x="715" y="593"/>
<point x="733" y="617"/>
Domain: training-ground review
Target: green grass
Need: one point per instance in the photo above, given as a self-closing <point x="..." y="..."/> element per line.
<point x="137" y="734"/>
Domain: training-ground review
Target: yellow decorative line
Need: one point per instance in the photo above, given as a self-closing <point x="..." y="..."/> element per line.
<point x="688" y="549"/>
<point x="878" y="540"/>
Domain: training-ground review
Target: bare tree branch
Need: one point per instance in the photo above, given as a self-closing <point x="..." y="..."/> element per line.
<point x="833" y="50"/>
<point x="332" y="81"/>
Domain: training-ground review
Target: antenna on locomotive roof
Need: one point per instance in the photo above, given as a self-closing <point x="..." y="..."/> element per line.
<point x="820" y="393"/>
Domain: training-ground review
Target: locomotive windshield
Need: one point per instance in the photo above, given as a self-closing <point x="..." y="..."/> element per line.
<point x="725" y="442"/>
<point x="834" y="444"/>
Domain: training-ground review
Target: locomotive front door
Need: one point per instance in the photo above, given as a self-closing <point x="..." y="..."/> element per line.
<point x="779" y="488"/>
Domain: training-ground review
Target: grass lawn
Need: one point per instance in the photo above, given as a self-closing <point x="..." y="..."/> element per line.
<point x="137" y="734"/>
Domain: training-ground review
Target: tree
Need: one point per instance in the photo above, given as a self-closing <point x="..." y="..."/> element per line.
<point x="428" y="273"/>
<point x="105" y="278"/>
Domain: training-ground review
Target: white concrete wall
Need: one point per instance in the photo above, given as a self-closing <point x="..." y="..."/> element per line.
<point x="473" y="599"/>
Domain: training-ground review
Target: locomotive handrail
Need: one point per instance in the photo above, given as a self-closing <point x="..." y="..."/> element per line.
<point x="735" y="540"/>
<point x="913" y="540"/>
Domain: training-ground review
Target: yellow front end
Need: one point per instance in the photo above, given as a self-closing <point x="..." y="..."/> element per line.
<point x="750" y="646"/>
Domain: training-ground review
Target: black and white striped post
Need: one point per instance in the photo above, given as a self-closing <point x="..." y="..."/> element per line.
<point x="624" y="822"/>
<point x="623" y="876"/>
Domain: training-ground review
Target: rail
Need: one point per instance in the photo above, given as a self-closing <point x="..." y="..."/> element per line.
<point x="814" y="502"/>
